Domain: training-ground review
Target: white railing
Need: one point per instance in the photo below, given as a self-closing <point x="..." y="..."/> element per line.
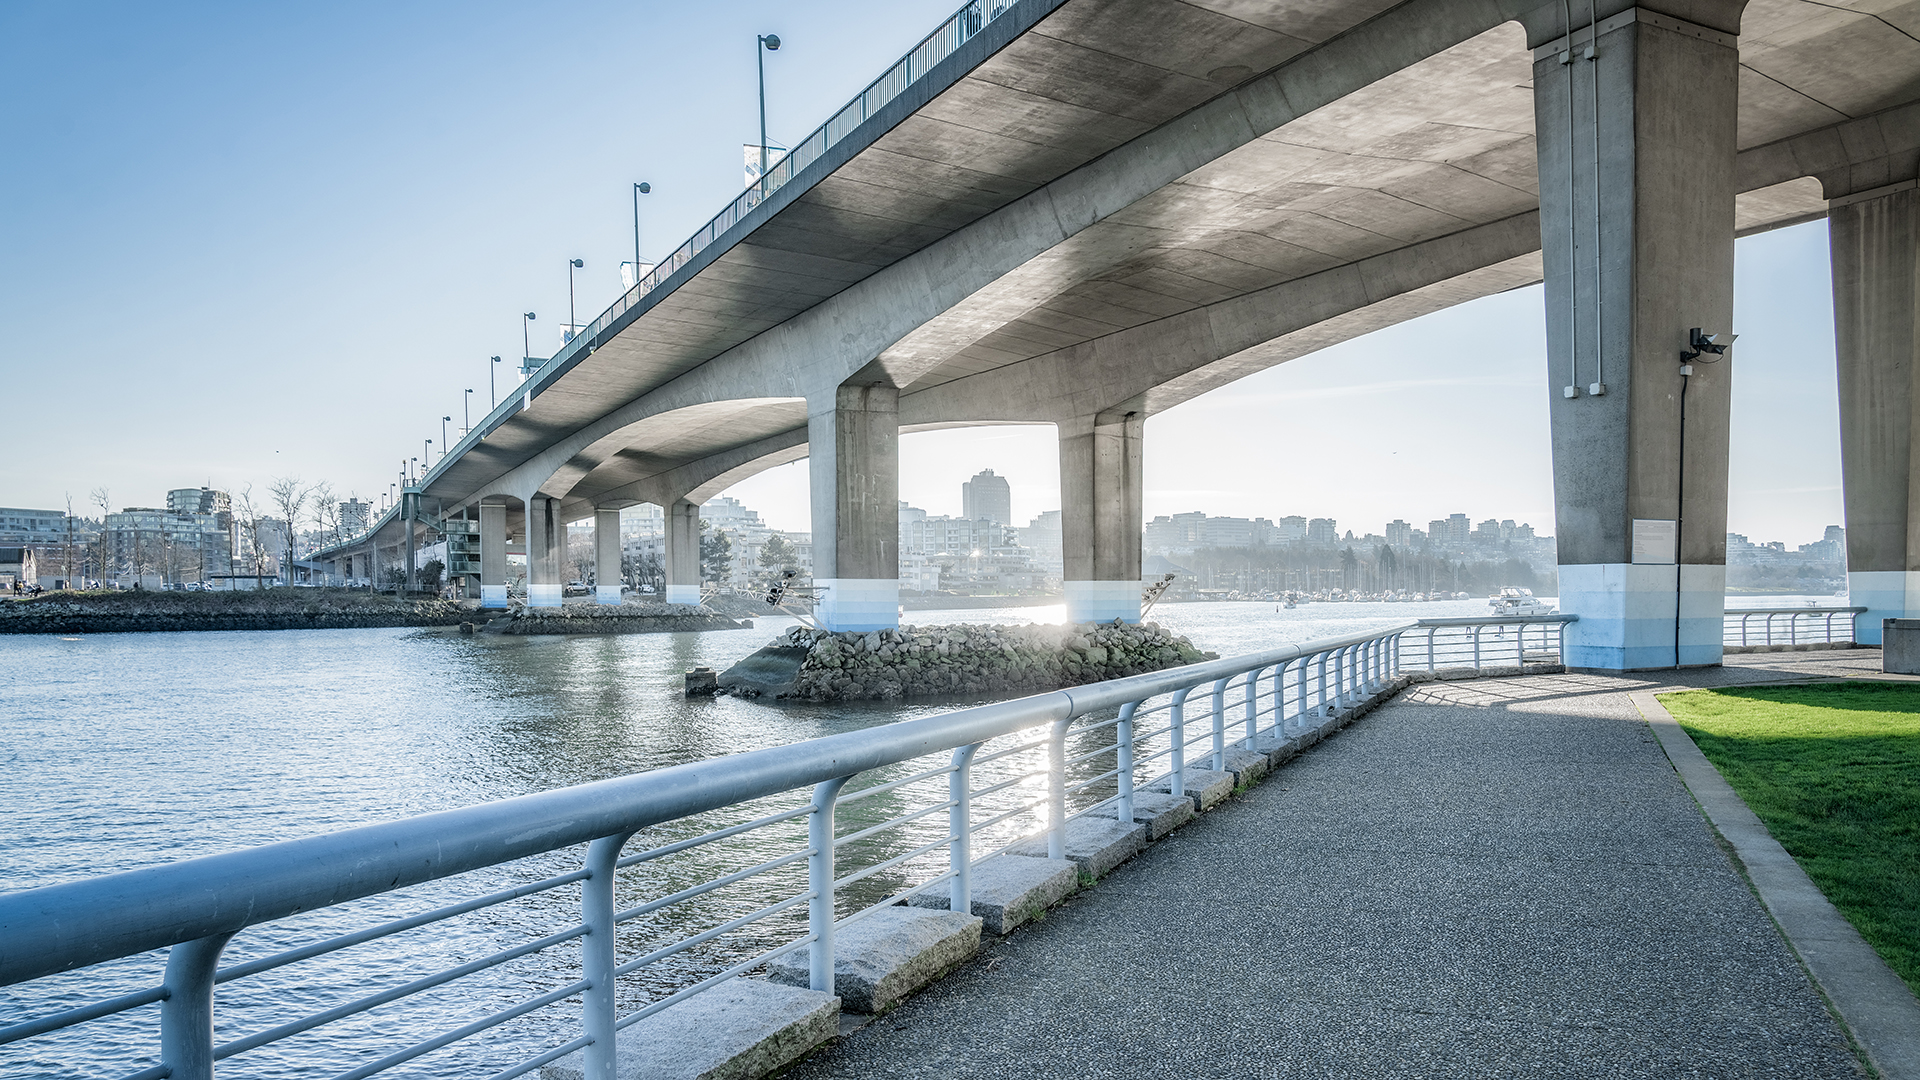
<point x="1771" y="627"/>
<point x="741" y="859"/>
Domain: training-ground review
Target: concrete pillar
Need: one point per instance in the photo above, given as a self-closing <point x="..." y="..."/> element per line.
<point x="1100" y="516"/>
<point x="853" y="443"/>
<point x="544" y="534"/>
<point x="1638" y="246"/>
<point x="1875" y="238"/>
<point x="683" y="552"/>
<point x="493" y="555"/>
<point x="606" y="556"/>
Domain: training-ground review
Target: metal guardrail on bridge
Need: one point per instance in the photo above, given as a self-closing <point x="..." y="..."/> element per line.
<point x="1011" y="770"/>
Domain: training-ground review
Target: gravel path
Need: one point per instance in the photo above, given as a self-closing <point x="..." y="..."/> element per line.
<point x="1499" y="878"/>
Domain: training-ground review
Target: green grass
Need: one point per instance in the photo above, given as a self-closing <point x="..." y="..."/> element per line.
<point x="1834" y="772"/>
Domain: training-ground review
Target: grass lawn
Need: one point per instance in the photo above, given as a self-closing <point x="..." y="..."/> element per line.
<point x="1834" y="772"/>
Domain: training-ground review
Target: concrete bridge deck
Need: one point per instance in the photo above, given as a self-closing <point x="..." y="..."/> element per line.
<point x="1493" y="878"/>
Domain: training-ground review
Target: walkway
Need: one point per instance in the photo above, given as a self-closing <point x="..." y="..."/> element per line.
<point x="1493" y="878"/>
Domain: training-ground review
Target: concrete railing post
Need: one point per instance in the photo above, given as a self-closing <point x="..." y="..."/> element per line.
<point x="1123" y="732"/>
<point x="1252" y="717"/>
<point x="820" y="911"/>
<point x="186" y="1016"/>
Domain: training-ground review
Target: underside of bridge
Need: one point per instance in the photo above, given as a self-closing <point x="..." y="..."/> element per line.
<point x="1095" y="210"/>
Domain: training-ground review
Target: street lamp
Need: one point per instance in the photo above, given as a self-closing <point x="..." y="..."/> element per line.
<point x="638" y="190"/>
<point x="466" y="411"/>
<point x="572" y="322"/>
<point x="444" y="421"/>
<point x="772" y="43"/>
<point x="493" y="395"/>
<point x="426" y="455"/>
<point x="526" y="341"/>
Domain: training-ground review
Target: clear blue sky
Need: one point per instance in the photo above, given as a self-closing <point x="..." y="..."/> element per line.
<point x="239" y="241"/>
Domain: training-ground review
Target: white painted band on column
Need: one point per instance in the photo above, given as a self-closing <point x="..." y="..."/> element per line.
<point x="683" y="594"/>
<point x="1886" y="594"/>
<point x="858" y="603"/>
<point x="494" y="596"/>
<point x="607" y="594"/>
<point x="1627" y="615"/>
<point x="1103" y="601"/>
<point x="543" y="595"/>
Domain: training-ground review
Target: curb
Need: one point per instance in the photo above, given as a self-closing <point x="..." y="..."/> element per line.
<point x="1875" y="1005"/>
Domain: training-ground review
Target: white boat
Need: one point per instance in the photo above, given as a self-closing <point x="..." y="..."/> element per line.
<point x="1512" y="601"/>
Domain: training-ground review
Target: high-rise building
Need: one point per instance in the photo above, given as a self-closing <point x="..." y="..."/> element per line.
<point x="1323" y="531"/>
<point x="987" y="496"/>
<point x="200" y="500"/>
<point x="1399" y="534"/>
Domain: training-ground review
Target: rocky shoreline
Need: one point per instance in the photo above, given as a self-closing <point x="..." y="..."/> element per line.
<point x="120" y="613"/>
<point x="628" y="618"/>
<point x="941" y="661"/>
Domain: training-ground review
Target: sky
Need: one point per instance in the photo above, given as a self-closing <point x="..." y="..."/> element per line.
<point x="246" y="241"/>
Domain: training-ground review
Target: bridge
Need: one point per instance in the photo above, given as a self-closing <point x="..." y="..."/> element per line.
<point x="1084" y="212"/>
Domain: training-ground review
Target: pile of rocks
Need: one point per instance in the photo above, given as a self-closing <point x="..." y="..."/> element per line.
<point x="628" y="618"/>
<point x="927" y="661"/>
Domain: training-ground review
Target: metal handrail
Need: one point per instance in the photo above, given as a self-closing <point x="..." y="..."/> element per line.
<point x="197" y="905"/>
<point x="1740" y="634"/>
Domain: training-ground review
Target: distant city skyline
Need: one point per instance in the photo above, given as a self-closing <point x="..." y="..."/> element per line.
<point x="233" y="255"/>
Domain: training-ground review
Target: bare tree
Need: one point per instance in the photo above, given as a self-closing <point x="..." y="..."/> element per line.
<point x="248" y="517"/>
<point x="326" y="511"/>
<point x="290" y="499"/>
<point x="104" y="500"/>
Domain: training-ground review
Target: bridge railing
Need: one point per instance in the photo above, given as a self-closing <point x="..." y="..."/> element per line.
<point x="909" y="69"/>
<point x="1756" y="627"/>
<point x="535" y="903"/>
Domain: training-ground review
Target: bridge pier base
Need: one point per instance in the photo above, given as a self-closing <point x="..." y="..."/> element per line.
<point x="853" y="438"/>
<point x="683" y="552"/>
<point x="493" y="555"/>
<point x="1875" y="238"/>
<point x="1636" y="148"/>
<point x="606" y="556"/>
<point x="1100" y="516"/>
<point x="544" y="535"/>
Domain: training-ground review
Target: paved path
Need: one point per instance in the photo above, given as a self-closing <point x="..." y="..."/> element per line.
<point x="1485" y="879"/>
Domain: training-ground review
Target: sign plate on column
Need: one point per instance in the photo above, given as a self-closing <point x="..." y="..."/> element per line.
<point x="1653" y="540"/>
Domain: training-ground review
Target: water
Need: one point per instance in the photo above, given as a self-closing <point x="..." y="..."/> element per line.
<point x="127" y="750"/>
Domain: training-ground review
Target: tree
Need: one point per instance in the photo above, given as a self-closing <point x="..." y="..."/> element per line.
<point x="248" y="517"/>
<point x="326" y="511"/>
<point x="644" y="570"/>
<point x="716" y="554"/>
<point x="777" y="555"/>
<point x="290" y="499"/>
<point x="430" y="573"/>
<point x="1349" y="562"/>
<point x="104" y="500"/>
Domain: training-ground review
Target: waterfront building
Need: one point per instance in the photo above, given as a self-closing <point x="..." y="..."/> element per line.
<point x="35" y="527"/>
<point x="987" y="496"/>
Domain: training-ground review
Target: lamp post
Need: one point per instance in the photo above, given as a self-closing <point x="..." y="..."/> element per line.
<point x="426" y="456"/>
<point x="444" y="421"/>
<point x="772" y="43"/>
<point x="466" y="412"/>
<point x="638" y="190"/>
<point x="572" y="321"/>
<point x="493" y="394"/>
<point x="526" y="339"/>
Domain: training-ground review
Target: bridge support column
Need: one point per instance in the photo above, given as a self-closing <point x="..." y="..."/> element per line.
<point x="493" y="555"/>
<point x="853" y="440"/>
<point x="683" y="552"/>
<point x="1100" y="516"/>
<point x="1875" y="238"/>
<point x="606" y="556"/>
<point x="1636" y="151"/>
<point x="544" y="535"/>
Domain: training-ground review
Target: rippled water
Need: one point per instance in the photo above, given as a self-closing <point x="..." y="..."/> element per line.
<point x="127" y="750"/>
